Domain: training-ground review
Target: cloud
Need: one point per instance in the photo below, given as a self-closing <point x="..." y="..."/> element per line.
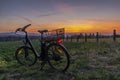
<point x="26" y="19"/>
<point x="66" y="8"/>
<point x="47" y="15"/>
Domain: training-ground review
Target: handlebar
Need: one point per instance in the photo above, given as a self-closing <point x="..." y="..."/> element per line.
<point x="23" y="28"/>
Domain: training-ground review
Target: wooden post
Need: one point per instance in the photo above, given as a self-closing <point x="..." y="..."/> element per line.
<point x="97" y="37"/>
<point x="71" y="38"/>
<point x="90" y="36"/>
<point x="67" y="38"/>
<point x="114" y="35"/>
<point x="77" y="38"/>
<point x="93" y="35"/>
<point x="85" y="37"/>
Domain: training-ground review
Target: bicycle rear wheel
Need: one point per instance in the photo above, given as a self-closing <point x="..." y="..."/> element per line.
<point x="58" y="57"/>
<point x="25" y="56"/>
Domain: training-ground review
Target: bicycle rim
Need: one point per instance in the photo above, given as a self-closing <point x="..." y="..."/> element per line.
<point x="26" y="56"/>
<point x="58" y="57"/>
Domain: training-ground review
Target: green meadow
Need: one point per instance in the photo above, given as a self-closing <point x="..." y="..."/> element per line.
<point x="89" y="61"/>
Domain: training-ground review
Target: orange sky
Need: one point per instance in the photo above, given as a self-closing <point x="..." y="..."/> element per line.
<point x="83" y="27"/>
<point x="76" y="16"/>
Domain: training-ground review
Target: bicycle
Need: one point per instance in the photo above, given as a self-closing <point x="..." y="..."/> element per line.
<point x="52" y="51"/>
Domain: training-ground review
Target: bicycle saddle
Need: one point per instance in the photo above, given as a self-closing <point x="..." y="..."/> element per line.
<point x="42" y="31"/>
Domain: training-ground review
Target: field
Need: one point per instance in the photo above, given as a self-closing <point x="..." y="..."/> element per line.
<point x="89" y="61"/>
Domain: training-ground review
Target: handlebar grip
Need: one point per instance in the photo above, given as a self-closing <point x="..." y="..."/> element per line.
<point x="23" y="29"/>
<point x="19" y="29"/>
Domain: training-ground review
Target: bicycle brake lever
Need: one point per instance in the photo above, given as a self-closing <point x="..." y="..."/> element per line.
<point x="23" y="29"/>
<point x="17" y="30"/>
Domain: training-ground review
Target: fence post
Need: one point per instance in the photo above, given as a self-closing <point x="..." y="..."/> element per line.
<point x="78" y="37"/>
<point x="67" y="38"/>
<point x="114" y="35"/>
<point x="90" y="36"/>
<point x="97" y="37"/>
<point x="85" y="37"/>
<point x="71" y="38"/>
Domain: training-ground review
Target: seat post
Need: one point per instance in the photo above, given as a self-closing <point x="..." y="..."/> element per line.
<point x="41" y="35"/>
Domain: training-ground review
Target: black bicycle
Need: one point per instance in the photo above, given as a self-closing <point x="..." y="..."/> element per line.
<point x="52" y="51"/>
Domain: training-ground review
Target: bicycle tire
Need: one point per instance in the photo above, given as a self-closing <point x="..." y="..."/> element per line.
<point x="54" y="60"/>
<point x="25" y="56"/>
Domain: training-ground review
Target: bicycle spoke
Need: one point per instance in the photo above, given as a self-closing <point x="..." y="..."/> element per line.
<point x="58" y="57"/>
<point x="25" y="56"/>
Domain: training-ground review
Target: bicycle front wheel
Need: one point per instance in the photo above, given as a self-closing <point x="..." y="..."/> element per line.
<point x="25" y="56"/>
<point x="58" y="57"/>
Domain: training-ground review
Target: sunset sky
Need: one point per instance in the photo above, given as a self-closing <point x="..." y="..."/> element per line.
<point x="74" y="15"/>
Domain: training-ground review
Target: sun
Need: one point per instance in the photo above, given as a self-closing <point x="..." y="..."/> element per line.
<point x="79" y="28"/>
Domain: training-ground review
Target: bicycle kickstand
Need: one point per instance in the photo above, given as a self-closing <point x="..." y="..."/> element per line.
<point x="42" y="65"/>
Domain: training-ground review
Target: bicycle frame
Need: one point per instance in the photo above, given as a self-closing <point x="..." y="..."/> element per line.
<point x="42" y="43"/>
<point x="49" y="50"/>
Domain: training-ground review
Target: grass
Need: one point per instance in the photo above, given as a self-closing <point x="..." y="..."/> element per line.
<point x="89" y="61"/>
